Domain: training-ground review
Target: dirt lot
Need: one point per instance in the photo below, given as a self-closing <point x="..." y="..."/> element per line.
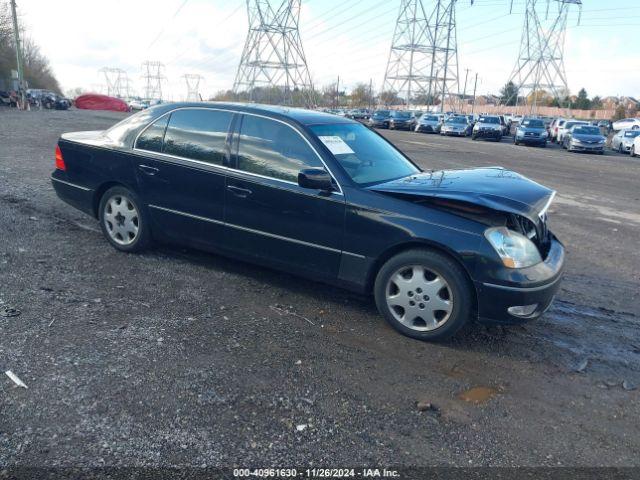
<point x="177" y="357"/>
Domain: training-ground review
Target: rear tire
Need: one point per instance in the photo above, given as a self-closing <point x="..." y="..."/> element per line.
<point x="124" y="221"/>
<point x="429" y="284"/>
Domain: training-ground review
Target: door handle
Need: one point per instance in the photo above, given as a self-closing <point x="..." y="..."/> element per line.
<point x="147" y="170"/>
<point x="239" y="192"/>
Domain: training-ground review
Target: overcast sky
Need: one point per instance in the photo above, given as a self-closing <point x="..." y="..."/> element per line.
<point x="350" y="38"/>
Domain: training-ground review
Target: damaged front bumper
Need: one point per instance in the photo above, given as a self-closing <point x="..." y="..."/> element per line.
<point x="519" y="295"/>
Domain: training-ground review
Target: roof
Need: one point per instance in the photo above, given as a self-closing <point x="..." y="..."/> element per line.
<point x="300" y="115"/>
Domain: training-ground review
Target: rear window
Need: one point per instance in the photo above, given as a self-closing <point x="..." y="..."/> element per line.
<point x="151" y="139"/>
<point x="198" y="134"/>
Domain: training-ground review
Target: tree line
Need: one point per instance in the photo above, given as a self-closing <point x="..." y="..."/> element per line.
<point x="37" y="70"/>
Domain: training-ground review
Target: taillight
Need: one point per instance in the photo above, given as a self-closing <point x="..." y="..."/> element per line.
<point x="59" y="160"/>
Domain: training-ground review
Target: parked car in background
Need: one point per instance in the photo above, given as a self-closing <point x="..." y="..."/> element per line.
<point x="5" y="98"/>
<point x="138" y="104"/>
<point x="326" y="197"/>
<point x="505" y="126"/>
<point x="358" y="114"/>
<point x="554" y="128"/>
<point x="626" y="123"/>
<point x="487" y="126"/>
<point x="635" y="147"/>
<point x="584" y="138"/>
<point x="380" y="119"/>
<point x="622" y="141"/>
<point x="457" y="126"/>
<point x="429" y="123"/>
<point x="402" y="120"/>
<point x="566" y="126"/>
<point x="532" y="131"/>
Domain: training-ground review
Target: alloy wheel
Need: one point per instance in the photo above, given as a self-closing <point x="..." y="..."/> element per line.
<point x="419" y="298"/>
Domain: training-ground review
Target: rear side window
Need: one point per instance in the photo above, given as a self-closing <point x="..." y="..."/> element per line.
<point x="198" y="134"/>
<point x="151" y="139"/>
<point x="273" y="149"/>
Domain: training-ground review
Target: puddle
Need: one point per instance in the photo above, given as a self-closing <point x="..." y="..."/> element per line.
<point x="478" y="395"/>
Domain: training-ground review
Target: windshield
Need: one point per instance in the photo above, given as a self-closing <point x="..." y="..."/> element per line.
<point x="430" y="118"/>
<point x="587" y="130"/>
<point x="568" y="125"/>
<point x="632" y="134"/>
<point x="489" y="120"/>
<point x="457" y="120"/>
<point x="381" y="113"/>
<point x="401" y="114"/>
<point x="533" y="123"/>
<point x="366" y="156"/>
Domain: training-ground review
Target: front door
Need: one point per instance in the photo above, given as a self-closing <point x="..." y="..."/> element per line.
<point x="267" y="214"/>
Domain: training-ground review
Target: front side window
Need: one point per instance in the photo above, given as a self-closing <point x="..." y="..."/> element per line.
<point x="151" y="139"/>
<point x="198" y="134"/>
<point x="365" y="156"/>
<point x="273" y="149"/>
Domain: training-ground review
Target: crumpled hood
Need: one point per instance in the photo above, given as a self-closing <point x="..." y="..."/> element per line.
<point x="493" y="187"/>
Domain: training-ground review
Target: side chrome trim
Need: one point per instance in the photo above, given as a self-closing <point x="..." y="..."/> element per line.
<point x="251" y="230"/>
<point x="184" y="214"/>
<point x="239" y="112"/>
<point x="80" y="187"/>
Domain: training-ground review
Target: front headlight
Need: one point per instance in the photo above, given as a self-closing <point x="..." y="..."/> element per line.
<point x="600" y="141"/>
<point x="544" y="134"/>
<point x="515" y="250"/>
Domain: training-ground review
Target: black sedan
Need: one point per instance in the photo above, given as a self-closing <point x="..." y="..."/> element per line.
<point x="380" y="119"/>
<point x="324" y="197"/>
<point x="531" y="131"/>
<point x="401" y="120"/>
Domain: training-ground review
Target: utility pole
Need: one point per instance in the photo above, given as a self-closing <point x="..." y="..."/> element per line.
<point x="193" y="86"/>
<point x="464" y="91"/>
<point x="273" y="55"/>
<point x="153" y="77"/>
<point x="475" y="86"/>
<point x="540" y="63"/>
<point x="19" y="59"/>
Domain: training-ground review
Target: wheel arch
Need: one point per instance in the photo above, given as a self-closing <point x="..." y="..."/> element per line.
<point x="424" y="245"/>
<point x="101" y="190"/>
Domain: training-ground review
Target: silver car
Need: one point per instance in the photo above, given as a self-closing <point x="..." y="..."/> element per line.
<point x="429" y="123"/>
<point x="622" y="141"/>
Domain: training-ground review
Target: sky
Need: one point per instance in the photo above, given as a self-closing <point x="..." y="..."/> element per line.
<point x="346" y="38"/>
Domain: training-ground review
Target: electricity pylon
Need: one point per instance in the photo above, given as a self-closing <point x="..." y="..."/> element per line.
<point x="116" y="80"/>
<point x="273" y="55"/>
<point x="423" y="61"/>
<point x="193" y="86"/>
<point x="153" y="78"/>
<point x="540" y="64"/>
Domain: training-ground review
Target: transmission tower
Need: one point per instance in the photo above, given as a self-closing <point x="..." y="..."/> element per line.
<point x="540" y="64"/>
<point x="423" y="61"/>
<point x="273" y="55"/>
<point x="193" y="86"/>
<point x="116" y="81"/>
<point x="153" y="78"/>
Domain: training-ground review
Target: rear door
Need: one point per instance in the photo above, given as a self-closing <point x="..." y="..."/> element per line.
<point x="181" y="163"/>
<point x="268" y="215"/>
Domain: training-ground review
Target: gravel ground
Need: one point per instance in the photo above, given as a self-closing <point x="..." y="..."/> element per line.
<point x="182" y="358"/>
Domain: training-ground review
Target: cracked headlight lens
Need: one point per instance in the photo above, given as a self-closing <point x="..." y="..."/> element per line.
<point x="515" y="250"/>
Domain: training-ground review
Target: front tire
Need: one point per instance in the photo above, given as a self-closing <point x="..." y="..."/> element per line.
<point x="424" y="294"/>
<point x="123" y="220"/>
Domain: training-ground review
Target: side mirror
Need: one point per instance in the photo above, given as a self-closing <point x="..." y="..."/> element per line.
<point x="315" y="179"/>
